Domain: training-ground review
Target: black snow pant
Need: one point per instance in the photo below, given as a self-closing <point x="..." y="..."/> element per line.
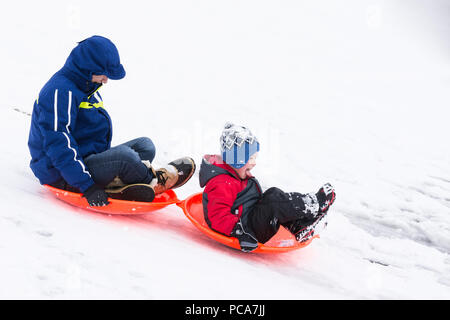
<point x="274" y="209"/>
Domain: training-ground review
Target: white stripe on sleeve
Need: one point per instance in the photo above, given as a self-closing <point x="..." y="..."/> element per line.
<point x="75" y="155"/>
<point x="68" y="111"/>
<point x="98" y="97"/>
<point x="56" y="110"/>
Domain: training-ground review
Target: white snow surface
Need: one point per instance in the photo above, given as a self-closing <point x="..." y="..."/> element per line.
<point x="355" y="93"/>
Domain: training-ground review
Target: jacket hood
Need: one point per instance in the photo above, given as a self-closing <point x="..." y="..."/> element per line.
<point x="96" y="55"/>
<point x="212" y="166"/>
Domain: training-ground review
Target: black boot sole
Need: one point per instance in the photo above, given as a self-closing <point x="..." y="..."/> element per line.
<point x="133" y="192"/>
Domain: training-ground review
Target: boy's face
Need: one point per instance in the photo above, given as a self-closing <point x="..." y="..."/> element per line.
<point x="99" y="78"/>
<point x="244" y="172"/>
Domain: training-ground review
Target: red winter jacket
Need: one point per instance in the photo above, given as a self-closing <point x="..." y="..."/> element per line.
<point x="226" y="197"/>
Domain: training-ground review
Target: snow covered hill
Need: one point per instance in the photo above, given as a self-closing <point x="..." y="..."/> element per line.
<point x="355" y="94"/>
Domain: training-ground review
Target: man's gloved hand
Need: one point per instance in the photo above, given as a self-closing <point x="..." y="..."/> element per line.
<point x="325" y="197"/>
<point x="247" y="242"/>
<point x="96" y="196"/>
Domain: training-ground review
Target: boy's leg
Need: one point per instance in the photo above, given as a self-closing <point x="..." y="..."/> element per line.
<point x="175" y="174"/>
<point x="299" y="213"/>
<point x="121" y="161"/>
<point x="144" y="147"/>
<point x="275" y="207"/>
<point x="263" y="223"/>
<point x="316" y="207"/>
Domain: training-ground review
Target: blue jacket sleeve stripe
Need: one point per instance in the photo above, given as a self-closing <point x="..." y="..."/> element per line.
<point x="98" y="97"/>
<point x="75" y="155"/>
<point x="55" y="108"/>
<point x="69" y="105"/>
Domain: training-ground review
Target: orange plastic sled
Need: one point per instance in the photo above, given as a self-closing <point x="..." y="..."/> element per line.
<point x="117" y="206"/>
<point x="283" y="241"/>
<point x="193" y="209"/>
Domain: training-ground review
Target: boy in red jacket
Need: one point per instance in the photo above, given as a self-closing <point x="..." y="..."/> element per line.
<point x="234" y="204"/>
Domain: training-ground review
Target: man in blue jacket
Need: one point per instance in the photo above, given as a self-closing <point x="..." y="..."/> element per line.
<point x="71" y="132"/>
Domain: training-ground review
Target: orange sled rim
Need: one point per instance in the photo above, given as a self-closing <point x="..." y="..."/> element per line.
<point x="116" y="206"/>
<point x="283" y="241"/>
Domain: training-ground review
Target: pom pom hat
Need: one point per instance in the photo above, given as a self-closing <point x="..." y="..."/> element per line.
<point x="237" y="144"/>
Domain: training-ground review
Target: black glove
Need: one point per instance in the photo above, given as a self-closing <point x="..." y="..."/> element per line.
<point x="96" y="196"/>
<point x="325" y="197"/>
<point x="247" y="242"/>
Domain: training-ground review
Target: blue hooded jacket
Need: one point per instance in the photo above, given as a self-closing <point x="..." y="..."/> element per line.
<point x="69" y="122"/>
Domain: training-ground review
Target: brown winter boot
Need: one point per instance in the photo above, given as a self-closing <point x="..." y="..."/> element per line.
<point x="173" y="175"/>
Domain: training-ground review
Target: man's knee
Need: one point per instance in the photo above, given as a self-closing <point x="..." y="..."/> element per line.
<point x="148" y="148"/>
<point x="127" y="155"/>
<point x="132" y="169"/>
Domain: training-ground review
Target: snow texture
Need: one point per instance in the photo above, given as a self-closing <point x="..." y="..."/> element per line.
<point x="354" y="93"/>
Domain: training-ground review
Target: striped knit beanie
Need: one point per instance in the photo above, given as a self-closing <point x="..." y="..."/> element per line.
<point x="237" y="144"/>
